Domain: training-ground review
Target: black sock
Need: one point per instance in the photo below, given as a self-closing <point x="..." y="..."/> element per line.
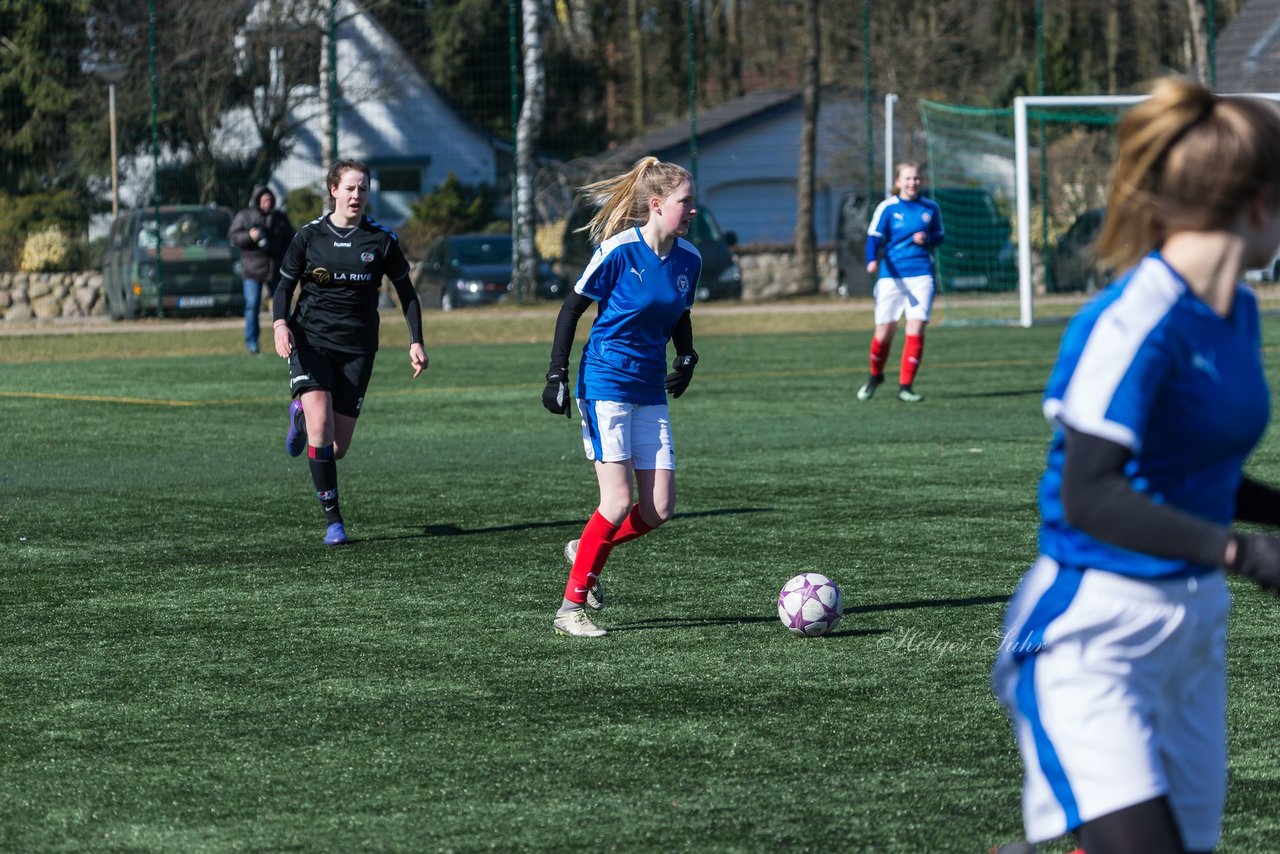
<point x="324" y="474"/>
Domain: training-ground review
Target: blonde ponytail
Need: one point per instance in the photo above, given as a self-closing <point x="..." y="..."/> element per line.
<point x="623" y="200"/>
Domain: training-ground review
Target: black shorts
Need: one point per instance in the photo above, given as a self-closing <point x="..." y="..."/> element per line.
<point x="344" y="375"/>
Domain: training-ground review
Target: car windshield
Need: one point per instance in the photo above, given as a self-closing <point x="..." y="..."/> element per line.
<point x="206" y="228"/>
<point x="492" y="251"/>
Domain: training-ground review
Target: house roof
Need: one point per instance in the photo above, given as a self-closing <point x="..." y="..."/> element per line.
<point x="749" y="107"/>
<point x="1247" y="50"/>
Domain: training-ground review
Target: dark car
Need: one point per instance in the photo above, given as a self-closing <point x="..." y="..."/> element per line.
<point x="196" y="271"/>
<point x="721" y="276"/>
<point x="475" y="269"/>
<point x="1074" y="266"/>
<point x="978" y="253"/>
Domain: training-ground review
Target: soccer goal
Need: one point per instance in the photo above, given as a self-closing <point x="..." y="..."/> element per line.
<point x="1021" y="191"/>
<point x="1042" y="166"/>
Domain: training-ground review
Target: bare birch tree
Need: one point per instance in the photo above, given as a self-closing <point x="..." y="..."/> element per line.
<point x="1198" y="34"/>
<point x="532" y="110"/>
<point x="806" y="249"/>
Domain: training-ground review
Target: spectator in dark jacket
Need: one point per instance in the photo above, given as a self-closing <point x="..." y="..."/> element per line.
<point x="262" y="233"/>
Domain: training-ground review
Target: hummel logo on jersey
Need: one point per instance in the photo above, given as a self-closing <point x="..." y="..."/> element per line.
<point x="1205" y="363"/>
<point x="301" y="378"/>
<point x="639" y="273"/>
<point x="340" y="245"/>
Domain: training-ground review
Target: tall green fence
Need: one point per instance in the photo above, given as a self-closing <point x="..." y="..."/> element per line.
<point x="122" y="104"/>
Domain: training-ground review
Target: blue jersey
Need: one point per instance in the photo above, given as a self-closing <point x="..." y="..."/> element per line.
<point x="894" y="226"/>
<point x="641" y="296"/>
<point x="1149" y="366"/>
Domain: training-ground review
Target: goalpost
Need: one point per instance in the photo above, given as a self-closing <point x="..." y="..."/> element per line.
<point x="1022" y="177"/>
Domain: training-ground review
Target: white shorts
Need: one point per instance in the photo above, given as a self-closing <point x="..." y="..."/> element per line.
<point x="912" y="296"/>
<point x="1117" y="691"/>
<point x="614" y="432"/>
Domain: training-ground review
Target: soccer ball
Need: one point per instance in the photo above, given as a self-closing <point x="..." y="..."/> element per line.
<point x="810" y="604"/>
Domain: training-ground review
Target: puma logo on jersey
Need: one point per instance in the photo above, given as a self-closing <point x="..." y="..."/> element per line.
<point x="1201" y="362"/>
<point x="639" y="273"/>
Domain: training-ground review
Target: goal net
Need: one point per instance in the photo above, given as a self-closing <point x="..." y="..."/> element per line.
<point x="1015" y="184"/>
<point x="1042" y="166"/>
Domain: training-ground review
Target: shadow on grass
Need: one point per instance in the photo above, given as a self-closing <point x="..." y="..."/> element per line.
<point x="447" y="530"/>
<point x="660" y="623"/>
<point x="694" y="622"/>
<point x="928" y="603"/>
<point x="1009" y="392"/>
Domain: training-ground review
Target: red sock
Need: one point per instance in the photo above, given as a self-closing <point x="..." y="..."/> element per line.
<point x="879" y="353"/>
<point x="912" y="352"/>
<point x="633" y="526"/>
<point x="593" y="550"/>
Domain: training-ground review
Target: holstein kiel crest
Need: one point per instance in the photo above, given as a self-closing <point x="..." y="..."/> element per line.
<point x="366" y="257"/>
<point x="682" y="282"/>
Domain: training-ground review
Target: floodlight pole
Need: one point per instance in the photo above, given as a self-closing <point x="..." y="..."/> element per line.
<point x="112" y="73"/>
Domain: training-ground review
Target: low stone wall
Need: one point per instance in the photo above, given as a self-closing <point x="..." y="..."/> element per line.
<point x="766" y="275"/>
<point x="771" y="274"/>
<point x="49" y="296"/>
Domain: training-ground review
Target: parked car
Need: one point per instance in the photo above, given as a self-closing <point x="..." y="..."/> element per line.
<point x="475" y="269"/>
<point x="721" y="275"/>
<point x="196" y="271"/>
<point x="1074" y="266"/>
<point x="978" y="253"/>
<point x="1269" y="273"/>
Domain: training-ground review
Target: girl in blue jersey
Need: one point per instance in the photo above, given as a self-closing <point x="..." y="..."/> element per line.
<point x="643" y="277"/>
<point x="1113" y="658"/>
<point x="906" y="227"/>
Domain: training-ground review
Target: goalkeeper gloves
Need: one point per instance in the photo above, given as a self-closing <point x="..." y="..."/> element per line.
<point x="555" y="396"/>
<point x="1257" y="557"/>
<point x="678" y="379"/>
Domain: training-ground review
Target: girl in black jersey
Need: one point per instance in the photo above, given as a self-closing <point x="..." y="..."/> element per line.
<point x="332" y="334"/>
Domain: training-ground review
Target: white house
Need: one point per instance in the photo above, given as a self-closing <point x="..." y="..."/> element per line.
<point x="389" y="116"/>
<point x="394" y="120"/>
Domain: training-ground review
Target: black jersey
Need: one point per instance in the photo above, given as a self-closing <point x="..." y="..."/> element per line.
<point x="341" y="272"/>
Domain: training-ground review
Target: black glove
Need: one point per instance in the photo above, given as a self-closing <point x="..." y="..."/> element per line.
<point x="1257" y="557"/>
<point x="678" y="379"/>
<point x="555" y="397"/>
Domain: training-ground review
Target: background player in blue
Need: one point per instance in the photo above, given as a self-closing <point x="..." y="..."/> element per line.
<point x="331" y="336"/>
<point x="905" y="227"/>
<point x="1113" y="657"/>
<point x="643" y="276"/>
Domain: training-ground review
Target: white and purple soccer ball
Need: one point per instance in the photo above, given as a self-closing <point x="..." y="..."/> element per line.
<point x="810" y="604"/>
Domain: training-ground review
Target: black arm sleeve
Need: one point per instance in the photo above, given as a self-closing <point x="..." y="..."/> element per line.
<point x="682" y="335"/>
<point x="575" y="304"/>
<point x="280" y="299"/>
<point x="411" y="306"/>
<point x="1098" y="499"/>
<point x="1257" y="502"/>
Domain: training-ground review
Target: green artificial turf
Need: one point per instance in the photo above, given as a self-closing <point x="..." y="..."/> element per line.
<point x="186" y="667"/>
